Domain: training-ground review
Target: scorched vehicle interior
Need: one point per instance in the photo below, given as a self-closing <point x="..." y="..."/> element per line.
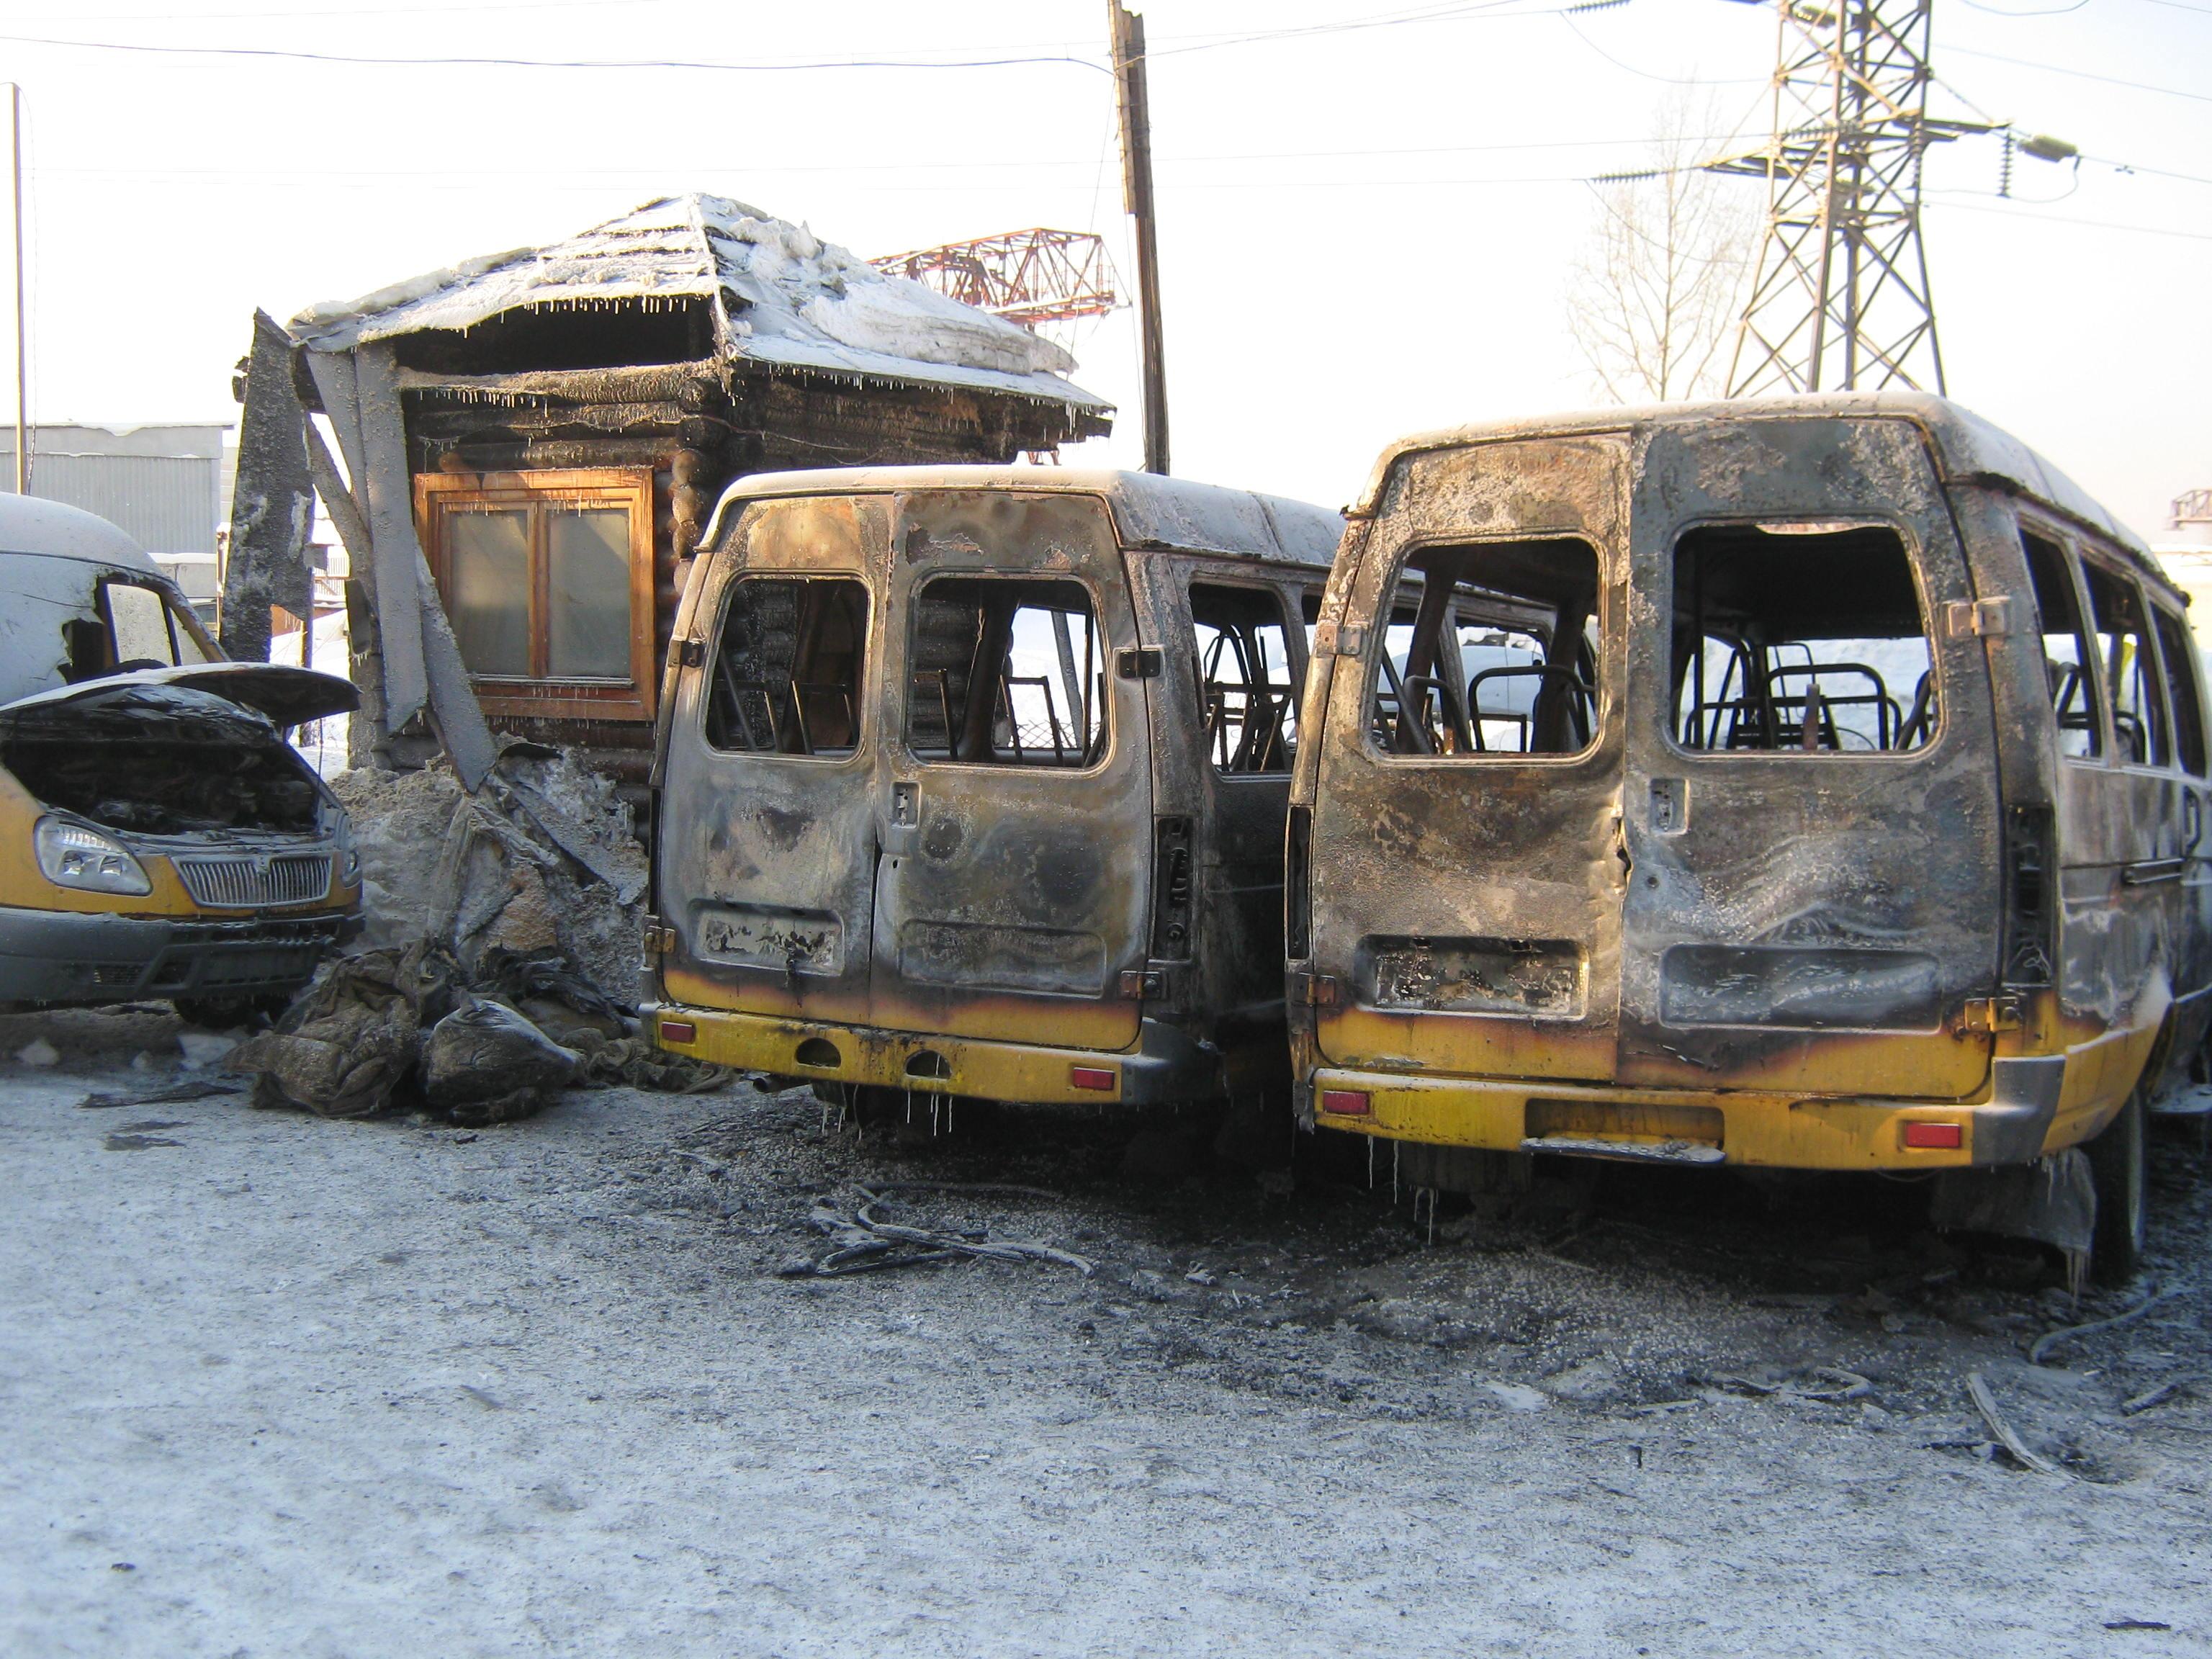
<point x="158" y="835"/>
<point x="971" y="781"/>
<point x="1813" y="784"/>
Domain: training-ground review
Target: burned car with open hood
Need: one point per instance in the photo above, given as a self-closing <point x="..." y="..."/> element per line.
<point x="159" y="836"/>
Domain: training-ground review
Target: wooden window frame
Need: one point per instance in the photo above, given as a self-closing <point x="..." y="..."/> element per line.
<point x="439" y="494"/>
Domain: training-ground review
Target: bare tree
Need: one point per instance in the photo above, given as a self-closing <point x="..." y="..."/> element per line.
<point x="1652" y="298"/>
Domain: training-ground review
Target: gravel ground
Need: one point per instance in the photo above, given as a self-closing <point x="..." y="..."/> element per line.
<point x="276" y="1385"/>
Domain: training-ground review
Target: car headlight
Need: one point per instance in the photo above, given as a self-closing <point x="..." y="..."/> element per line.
<point x="349" y="855"/>
<point x="72" y="855"/>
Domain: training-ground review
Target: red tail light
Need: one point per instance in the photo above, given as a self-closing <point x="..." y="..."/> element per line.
<point x="678" y="1031"/>
<point x="1939" y="1137"/>
<point x="1346" y="1103"/>
<point x="1091" y="1077"/>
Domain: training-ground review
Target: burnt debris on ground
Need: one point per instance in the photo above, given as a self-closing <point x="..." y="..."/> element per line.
<point x="501" y="933"/>
<point x="1607" y="1289"/>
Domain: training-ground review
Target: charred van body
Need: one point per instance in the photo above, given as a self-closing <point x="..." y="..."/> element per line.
<point x="1817" y="783"/>
<point x="972" y="781"/>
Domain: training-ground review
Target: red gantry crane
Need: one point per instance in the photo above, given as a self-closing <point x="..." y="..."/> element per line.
<point x="1026" y="277"/>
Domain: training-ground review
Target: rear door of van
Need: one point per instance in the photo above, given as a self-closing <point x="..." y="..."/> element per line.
<point x="769" y="792"/>
<point x="1465" y="859"/>
<point x="1812" y="822"/>
<point x="1012" y="896"/>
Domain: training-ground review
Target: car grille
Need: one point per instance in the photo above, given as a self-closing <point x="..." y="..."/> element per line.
<point x="240" y="884"/>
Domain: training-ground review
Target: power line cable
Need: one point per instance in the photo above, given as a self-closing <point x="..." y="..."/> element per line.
<point x="1648" y="75"/>
<point x="2079" y="75"/>
<point x="1440" y="13"/>
<point x="382" y="61"/>
<point x="2068" y="219"/>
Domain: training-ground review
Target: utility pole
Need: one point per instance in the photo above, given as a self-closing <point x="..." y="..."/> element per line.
<point x="22" y="367"/>
<point x="1840" y="299"/>
<point x="1135" y="110"/>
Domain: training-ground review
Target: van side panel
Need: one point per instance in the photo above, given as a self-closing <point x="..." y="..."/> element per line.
<point x="2083" y="993"/>
<point x="1217" y="934"/>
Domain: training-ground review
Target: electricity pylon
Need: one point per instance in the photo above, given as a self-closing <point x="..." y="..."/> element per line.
<point x="1840" y="298"/>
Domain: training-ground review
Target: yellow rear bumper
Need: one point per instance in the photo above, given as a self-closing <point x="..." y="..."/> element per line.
<point x="1751" y="1127"/>
<point x="1164" y="1065"/>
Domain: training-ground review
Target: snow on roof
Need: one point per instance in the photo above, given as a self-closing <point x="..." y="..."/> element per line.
<point x="781" y="293"/>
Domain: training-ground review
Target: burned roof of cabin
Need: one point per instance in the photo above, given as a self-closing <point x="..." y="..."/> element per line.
<point x="775" y="293"/>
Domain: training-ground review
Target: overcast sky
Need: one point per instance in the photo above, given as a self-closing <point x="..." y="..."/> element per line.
<point x="1368" y="211"/>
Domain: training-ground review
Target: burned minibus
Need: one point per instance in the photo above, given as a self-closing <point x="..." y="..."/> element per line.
<point x="971" y="781"/>
<point x="158" y="835"/>
<point x="1815" y="783"/>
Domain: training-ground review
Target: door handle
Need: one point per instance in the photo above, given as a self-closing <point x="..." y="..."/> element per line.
<point x="901" y="832"/>
<point x="2150" y="872"/>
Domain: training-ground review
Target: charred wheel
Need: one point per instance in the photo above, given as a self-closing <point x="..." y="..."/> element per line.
<point x="223" y="1013"/>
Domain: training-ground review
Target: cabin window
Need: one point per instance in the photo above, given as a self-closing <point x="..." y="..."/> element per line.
<point x="2072" y="688"/>
<point x="547" y="577"/>
<point x="2177" y="657"/>
<point x="1247" y="695"/>
<point x="1002" y="672"/>
<point x="2128" y="668"/>
<point x="142" y="631"/>
<point x="789" y="668"/>
<point x="1491" y="650"/>
<point x="1800" y="638"/>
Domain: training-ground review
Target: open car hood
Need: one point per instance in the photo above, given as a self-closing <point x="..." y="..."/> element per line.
<point x="286" y="694"/>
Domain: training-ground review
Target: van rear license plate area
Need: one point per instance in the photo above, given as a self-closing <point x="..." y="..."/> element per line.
<point x="1641" y="1133"/>
<point x="1541" y="976"/>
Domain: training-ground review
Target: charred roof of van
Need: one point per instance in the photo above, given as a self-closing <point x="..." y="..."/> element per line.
<point x="1968" y="448"/>
<point x="29" y="524"/>
<point x="1150" y="511"/>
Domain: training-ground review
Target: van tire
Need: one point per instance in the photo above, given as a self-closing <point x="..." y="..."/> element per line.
<point x="2118" y="1171"/>
<point x="220" y="1013"/>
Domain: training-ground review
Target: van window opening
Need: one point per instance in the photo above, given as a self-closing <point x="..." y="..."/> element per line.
<point x="1800" y="638"/>
<point x="789" y="670"/>
<point x="2175" y="654"/>
<point x="2073" y="691"/>
<point x="1247" y="695"/>
<point x="1005" y="673"/>
<point x="1491" y="650"/>
<point x="134" y="627"/>
<point x="2124" y="660"/>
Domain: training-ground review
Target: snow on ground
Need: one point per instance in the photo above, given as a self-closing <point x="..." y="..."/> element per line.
<point x="276" y="1385"/>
